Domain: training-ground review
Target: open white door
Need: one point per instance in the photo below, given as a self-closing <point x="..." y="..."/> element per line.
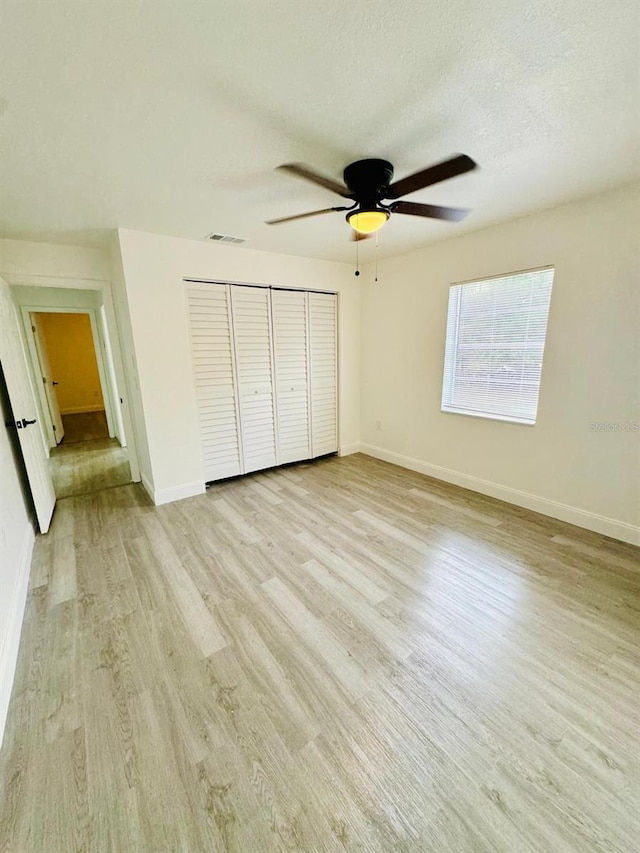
<point x="24" y="407"/>
<point x="48" y="381"/>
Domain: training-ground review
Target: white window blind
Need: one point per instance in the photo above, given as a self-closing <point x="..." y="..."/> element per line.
<point x="496" y="331"/>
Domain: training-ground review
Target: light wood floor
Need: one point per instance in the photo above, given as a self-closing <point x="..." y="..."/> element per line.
<point x="328" y="657"/>
<point x="84" y="467"/>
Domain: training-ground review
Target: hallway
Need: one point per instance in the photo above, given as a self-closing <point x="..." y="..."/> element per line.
<point x="87" y="460"/>
<point x="84" y="426"/>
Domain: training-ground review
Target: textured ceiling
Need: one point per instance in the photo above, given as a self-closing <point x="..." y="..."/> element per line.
<point x="170" y="116"/>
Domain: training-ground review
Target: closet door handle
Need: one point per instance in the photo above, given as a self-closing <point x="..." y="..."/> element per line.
<point x="21" y="424"/>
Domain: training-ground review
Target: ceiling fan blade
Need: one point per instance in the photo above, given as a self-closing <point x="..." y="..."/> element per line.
<point x="451" y="214"/>
<point x="302" y="171"/>
<point x="457" y="165"/>
<point x="304" y="215"/>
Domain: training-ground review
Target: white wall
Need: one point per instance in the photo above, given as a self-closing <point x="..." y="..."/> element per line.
<point x="130" y="366"/>
<point x="154" y="268"/>
<point x="591" y="373"/>
<point x="50" y="260"/>
<point x="112" y="374"/>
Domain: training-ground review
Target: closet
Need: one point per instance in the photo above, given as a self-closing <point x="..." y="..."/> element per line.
<point x="265" y="369"/>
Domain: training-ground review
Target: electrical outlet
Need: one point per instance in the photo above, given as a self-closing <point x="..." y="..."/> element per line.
<point x="378" y="425"/>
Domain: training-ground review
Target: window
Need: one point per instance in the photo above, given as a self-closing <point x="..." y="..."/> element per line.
<point x="495" y="342"/>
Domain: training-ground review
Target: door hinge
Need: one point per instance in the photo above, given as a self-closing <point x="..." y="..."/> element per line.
<point x="44" y="380"/>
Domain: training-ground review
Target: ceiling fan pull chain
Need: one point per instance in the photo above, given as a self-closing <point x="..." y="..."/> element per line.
<point x="357" y="272"/>
<point x="376" y="278"/>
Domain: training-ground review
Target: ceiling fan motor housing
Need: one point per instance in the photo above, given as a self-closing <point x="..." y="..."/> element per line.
<point x="368" y="179"/>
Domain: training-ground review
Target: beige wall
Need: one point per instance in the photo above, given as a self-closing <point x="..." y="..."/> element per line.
<point x="562" y="466"/>
<point x="72" y="359"/>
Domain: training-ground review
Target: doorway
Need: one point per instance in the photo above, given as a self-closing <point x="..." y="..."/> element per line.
<point x="78" y="405"/>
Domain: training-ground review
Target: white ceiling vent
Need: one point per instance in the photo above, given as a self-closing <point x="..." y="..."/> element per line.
<point x="225" y="238"/>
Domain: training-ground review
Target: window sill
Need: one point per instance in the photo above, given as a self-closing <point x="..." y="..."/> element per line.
<point x="487" y="416"/>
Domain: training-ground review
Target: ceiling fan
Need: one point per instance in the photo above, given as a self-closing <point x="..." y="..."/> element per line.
<point x="368" y="184"/>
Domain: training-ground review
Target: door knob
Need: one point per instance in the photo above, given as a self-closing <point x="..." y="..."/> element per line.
<point x="21" y="424"/>
<point x="53" y="382"/>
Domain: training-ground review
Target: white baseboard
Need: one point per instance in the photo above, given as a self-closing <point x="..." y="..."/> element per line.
<point x="81" y="410"/>
<point x="563" y="512"/>
<point x="174" y="493"/>
<point x="348" y="449"/>
<point x="10" y="643"/>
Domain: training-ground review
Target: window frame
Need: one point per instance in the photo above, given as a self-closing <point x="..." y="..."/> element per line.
<point x="447" y="408"/>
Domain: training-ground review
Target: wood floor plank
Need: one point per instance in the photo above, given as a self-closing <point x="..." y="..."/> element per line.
<point x="333" y="656"/>
<point x="349" y="574"/>
<point x="198" y="619"/>
<point x="388" y="633"/>
<point x="312" y="632"/>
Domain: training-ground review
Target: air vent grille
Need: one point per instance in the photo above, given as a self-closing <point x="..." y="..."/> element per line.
<point x="225" y="238"/>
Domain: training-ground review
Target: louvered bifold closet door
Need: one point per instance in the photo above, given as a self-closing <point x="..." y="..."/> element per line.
<point x="213" y="362"/>
<point x="323" y="369"/>
<point x="251" y="308"/>
<point x="290" y="347"/>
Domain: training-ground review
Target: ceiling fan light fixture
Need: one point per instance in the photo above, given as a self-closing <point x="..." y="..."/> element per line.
<point x="367" y="221"/>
